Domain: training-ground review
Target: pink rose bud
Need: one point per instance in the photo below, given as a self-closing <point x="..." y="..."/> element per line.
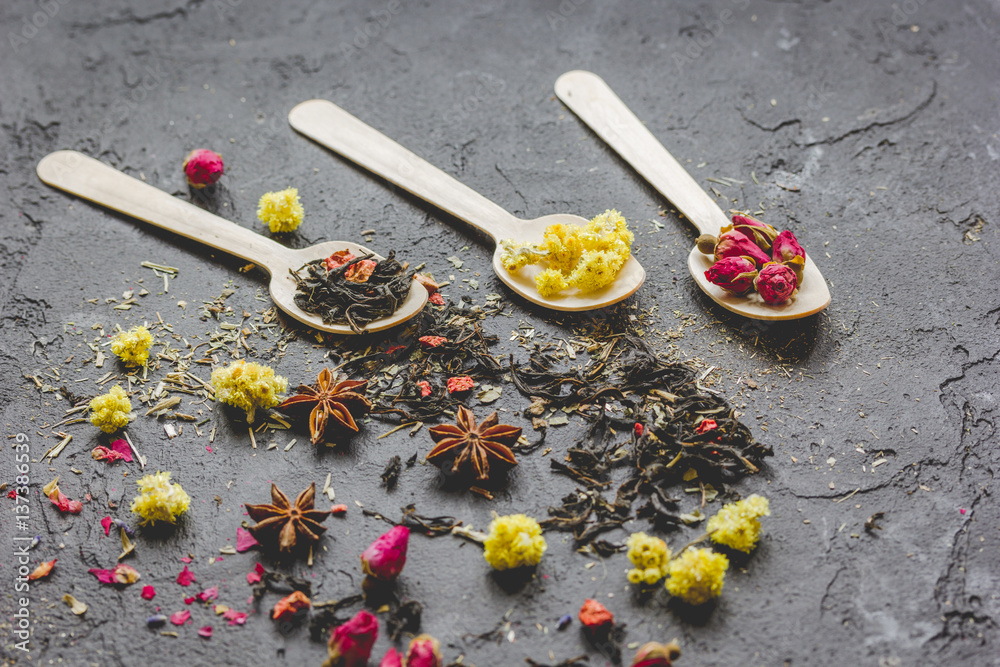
<point x="775" y="283"/>
<point x="392" y="658"/>
<point x="351" y="644"/>
<point x="788" y="251"/>
<point x="386" y="556"/>
<point x="203" y="167"/>
<point x="423" y="652"/>
<point x="787" y="247"/>
<point x="735" y="274"/>
<point x="760" y="233"/>
<point x="653" y="654"/>
<point x="736" y="244"/>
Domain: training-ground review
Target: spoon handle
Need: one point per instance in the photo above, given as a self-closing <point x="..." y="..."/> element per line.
<point x="91" y="179"/>
<point x="590" y="98"/>
<point x="329" y="125"/>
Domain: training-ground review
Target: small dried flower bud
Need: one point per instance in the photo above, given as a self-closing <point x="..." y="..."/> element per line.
<point x="386" y="556"/>
<point x="351" y="644"/>
<point x="760" y="233"/>
<point x="706" y="243"/>
<point x="736" y="244"/>
<point x="203" y="167"/>
<point x="775" y="283"/>
<point x="786" y="246"/>
<point x="595" y="615"/>
<point x="788" y="252"/>
<point x="654" y="654"/>
<point x="424" y="651"/>
<point x="735" y="274"/>
<point x="392" y="658"/>
<point x="638" y="430"/>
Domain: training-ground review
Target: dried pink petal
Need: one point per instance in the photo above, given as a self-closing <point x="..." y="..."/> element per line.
<point x="185" y="577"/>
<point x="244" y="540"/>
<point x="180" y="617"/>
<point x="148" y="592"/>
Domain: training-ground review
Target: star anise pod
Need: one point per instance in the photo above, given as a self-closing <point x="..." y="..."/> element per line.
<point x="472" y="448"/>
<point x="331" y="402"/>
<point x="290" y="524"/>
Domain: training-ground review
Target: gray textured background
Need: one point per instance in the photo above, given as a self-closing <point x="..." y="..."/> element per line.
<point x="872" y="130"/>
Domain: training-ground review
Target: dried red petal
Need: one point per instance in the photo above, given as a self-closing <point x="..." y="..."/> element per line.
<point x="288" y="607"/>
<point x="338" y="510"/>
<point x="459" y="384"/>
<point x="430" y="342"/>
<point x="706" y="425"/>
<point x="593" y="614"/>
<point x="185" y="577"/>
<point x="425" y="388"/>
<point x="638" y="430"/>
<point x="361" y="271"/>
<point x="436" y="299"/>
<point x="338" y="259"/>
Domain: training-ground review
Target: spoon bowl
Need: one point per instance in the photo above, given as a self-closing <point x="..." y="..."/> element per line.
<point x="590" y="98"/>
<point x="91" y="179"/>
<point x="329" y="125"/>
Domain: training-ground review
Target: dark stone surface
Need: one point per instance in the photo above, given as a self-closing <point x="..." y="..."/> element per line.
<point x="871" y="129"/>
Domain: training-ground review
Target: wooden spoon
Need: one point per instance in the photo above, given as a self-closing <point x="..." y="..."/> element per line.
<point x="596" y="104"/>
<point x="91" y="179"/>
<point x="327" y="124"/>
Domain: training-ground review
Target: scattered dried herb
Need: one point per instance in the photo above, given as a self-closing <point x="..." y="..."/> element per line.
<point x="288" y="525"/>
<point x="431" y="526"/>
<point x="405" y="618"/>
<point x="276" y="582"/>
<point x="390" y="476"/>
<point x="338" y="300"/>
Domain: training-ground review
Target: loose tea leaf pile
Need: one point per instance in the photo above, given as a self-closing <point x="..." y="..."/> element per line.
<point x="330" y="293"/>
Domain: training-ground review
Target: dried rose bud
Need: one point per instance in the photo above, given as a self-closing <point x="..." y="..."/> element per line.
<point x="760" y="233"/>
<point x="736" y="244"/>
<point x="351" y="643"/>
<point x="786" y="246"/>
<point x="788" y="251"/>
<point x="775" y="283"/>
<point x="595" y="615"/>
<point x="638" y="429"/>
<point x="290" y="606"/>
<point x="203" y="167"/>
<point x="706" y="243"/>
<point x="423" y="652"/>
<point x="392" y="658"/>
<point x="386" y="556"/>
<point x="735" y="274"/>
<point x="653" y="654"/>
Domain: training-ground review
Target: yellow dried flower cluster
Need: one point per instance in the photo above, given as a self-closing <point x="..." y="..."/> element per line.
<point x="249" y="386"/>
<point x="281" y="211"/>
<point x="110" y="412"/>
<point x="650" y="556"/>
<point x="132" y="346"/>
<point x="737" y="525"/>
<point x="514" y="541"/>
<point x="588" y="257"/>
<point x="697" y="575"/>
<point x="159" y="500"/>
